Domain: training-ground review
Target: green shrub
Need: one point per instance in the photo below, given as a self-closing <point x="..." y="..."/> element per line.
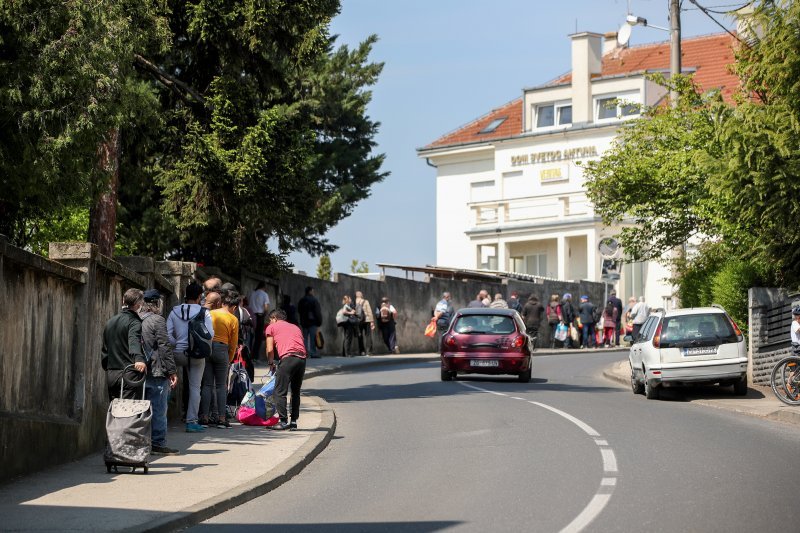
<point x="729" y="288"/>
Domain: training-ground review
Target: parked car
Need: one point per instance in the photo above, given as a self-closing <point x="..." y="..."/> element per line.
<point x="698" y="346"/>
<point x="486" y="341"/>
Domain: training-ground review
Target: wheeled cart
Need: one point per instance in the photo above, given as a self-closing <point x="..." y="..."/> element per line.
<point x="128" y="425"/>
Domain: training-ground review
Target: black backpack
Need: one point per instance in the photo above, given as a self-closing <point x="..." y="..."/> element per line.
<point x="199" y="336"/>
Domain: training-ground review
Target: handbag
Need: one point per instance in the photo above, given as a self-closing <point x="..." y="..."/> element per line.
<point x="430" y="329"/>
<point x="319" y="340"/>
<point x="561" y="332"/>
<point x="573" y="334"/>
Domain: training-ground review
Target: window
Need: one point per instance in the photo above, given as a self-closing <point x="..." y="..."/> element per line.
<point x="549" y="115"/>
<point x="617" y="106"/>
<point x="493" y="125"/>
<point x="696" y="330"/>
<point x="487" y="256"/>
<point x="484" y="324"/>
<point x="536" y="265"/>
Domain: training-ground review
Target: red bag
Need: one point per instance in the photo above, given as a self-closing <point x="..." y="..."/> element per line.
<point x="248" y="417"/>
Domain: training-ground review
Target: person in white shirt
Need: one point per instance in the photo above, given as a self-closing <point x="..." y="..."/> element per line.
<point x="258" y="304"/>
<point x="795" y="330"/>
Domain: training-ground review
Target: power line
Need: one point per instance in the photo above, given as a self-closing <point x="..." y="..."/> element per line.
<point x="718" y="23"/>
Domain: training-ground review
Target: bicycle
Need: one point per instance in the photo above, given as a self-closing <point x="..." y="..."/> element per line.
<point x="785" y="379"/>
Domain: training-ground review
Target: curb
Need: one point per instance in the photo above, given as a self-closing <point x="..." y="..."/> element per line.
<point x="265" y="483"/>
<point x="367" y="362"/>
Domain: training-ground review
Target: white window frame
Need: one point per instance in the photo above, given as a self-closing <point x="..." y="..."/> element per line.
<point x="623" y="99"/>
<point x="557" y="108"/>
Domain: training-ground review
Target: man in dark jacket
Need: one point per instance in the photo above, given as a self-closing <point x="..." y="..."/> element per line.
<point x="568" y="314"/>
<point x="617" y="303"/>
<point x="513" y="302"/>
<point x="310" y="315"/>
<point x="532" y="315"/>
<point x="122" y="346"/>
<point x="162" y="374"/>
<point x="588" y="320"/>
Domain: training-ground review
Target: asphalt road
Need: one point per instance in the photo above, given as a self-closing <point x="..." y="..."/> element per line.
<point x="569" y="451"/>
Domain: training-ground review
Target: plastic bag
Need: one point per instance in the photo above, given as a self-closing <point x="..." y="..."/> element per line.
<point x="561" y="332"/>
<point x="249" y="417"/>
<point x="430" y="329"/>
<point x="265" y="400"/>
<point x="573" y="334"/>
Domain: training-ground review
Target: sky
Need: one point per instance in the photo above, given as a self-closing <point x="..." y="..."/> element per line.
<point x="448" y="62"/>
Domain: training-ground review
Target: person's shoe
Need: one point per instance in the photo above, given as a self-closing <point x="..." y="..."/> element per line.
<point x="223" y="424"/>
<point x="203" y="421"/>
<point x="281" y="426"/>
<point x="292" y="426"/>
<point x="164" y="450"/>
<point x="396" y="349"/>
<point x="192" y="427"/>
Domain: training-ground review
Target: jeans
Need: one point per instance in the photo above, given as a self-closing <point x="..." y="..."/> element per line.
<point x="290" y="373"/>
<point x="553" y="328"/>
<point x="196" y="369"/>
<point x="215" y="380"/>
<point x="389" y="334"/>
<point x="588" y="335"/>
<point x="157" y="391"/>
<point x="310" y="340"/>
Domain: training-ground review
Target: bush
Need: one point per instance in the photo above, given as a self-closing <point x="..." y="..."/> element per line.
<point x="729" y="288"/>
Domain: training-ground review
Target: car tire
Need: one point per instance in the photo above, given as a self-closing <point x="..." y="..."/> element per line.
<point x="525" y="377"/>
<point x="650" y="392"/>
<point x="447" y="375"/>
<point x="740" y="387"/>
<point x="636" y="386"/>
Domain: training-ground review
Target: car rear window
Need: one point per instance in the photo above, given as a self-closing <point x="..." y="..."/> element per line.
<point x="689" y="330"/>
<point x="486" y="324"/>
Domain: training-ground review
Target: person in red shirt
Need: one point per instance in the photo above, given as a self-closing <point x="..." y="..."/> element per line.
<point x="287" y="340"/>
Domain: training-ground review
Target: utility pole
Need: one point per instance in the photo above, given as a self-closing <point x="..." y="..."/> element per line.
<point x="674" y="46"/>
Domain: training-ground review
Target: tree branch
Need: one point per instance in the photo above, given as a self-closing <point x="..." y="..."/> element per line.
<point x="182" y="90"/>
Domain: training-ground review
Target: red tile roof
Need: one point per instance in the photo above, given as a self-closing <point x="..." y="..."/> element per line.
<point x="709" y="56"/>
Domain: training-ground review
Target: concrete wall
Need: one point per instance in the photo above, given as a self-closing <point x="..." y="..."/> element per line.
<point x="769" y="313"/>
<point x="53" y="394"/>
<point x="415" y="301"/>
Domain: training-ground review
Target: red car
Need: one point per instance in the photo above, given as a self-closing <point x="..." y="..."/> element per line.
<point x="486" y="341"/>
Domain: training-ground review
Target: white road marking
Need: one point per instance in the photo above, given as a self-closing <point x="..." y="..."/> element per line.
<point x="517" y="398"/>
<point x="591" y="511"/>
<point x="609" y="460"/>
<point x="603" y="495"/>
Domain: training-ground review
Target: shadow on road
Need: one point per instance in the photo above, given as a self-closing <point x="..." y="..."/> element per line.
<point x="390" y="527"/>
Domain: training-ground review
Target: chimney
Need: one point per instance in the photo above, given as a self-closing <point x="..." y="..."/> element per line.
<point x="609" y="42"/>
<point x="587" y="50"/>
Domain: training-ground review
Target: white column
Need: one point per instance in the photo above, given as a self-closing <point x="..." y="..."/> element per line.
<point x="592" y="256"/>
<point x="561" y="256"/>
<point x="501" y="256"/>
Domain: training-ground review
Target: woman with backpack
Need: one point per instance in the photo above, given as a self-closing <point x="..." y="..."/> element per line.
<point x="610" y="315"/>
<point x="347" y="319"/>
<point x="554" y="317"/>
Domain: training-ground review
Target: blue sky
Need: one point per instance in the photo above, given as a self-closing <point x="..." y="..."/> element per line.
<point x="448" y="62"/>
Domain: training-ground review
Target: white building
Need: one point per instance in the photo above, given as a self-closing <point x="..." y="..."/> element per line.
<point x="510" y="194"/>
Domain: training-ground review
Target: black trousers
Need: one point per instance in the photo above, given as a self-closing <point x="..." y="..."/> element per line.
<point x="258" y="338"/>
<point x="365" y="338"/>
<point x="289" y="374"/>
<point x="114" y="380"/>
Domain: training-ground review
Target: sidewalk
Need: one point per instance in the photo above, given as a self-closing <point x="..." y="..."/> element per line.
<point x="759" y="402"/>
<point x="216" y="471"/>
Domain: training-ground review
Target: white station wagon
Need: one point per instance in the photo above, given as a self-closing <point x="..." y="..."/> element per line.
<point x="702" y="345"/>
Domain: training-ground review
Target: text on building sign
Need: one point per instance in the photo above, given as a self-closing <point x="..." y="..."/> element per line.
<point x="553" y="155"/>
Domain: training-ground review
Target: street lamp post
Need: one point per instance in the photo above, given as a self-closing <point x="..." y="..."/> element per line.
<point x="674" y="47"/>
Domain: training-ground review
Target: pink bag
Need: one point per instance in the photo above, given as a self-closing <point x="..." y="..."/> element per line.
<point x="248" y="417"/>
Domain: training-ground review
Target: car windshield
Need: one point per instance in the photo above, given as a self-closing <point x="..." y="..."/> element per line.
<point x="484" y="324"/>
<point x="691" y="330"/>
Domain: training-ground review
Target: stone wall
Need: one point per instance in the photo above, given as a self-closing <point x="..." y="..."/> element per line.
<point x="768" y="321"/>
<point x="415" y="301"/>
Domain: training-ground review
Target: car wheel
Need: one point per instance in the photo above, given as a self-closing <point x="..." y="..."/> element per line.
<point x="636" y="386"/>
<point x="740" y="387"/>
<point x="650" y="392"/>
<point x="446" y="375"/>
<point x="525" y="377"/>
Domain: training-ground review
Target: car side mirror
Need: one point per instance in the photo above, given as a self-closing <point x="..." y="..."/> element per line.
<point x="628" y="338"/>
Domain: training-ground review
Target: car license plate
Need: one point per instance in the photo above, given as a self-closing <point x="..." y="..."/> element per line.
<point x="483" y="362"/>
<point x="701" y="350"/>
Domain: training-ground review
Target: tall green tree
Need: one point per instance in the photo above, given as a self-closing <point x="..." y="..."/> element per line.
<point x="65" y="84"/>
<point x="324" y="267"/>
<point x="266" y="135"/>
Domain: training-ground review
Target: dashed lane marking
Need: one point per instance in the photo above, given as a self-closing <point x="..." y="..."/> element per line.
<point x="607" y="484"/>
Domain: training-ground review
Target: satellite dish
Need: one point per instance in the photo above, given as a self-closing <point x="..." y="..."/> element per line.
<point x="624" y="34"/>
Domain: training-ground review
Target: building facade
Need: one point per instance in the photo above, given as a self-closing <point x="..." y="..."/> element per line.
<point x="510" y="185"/>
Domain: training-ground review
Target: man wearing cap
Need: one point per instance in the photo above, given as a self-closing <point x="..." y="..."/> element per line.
<point x="162" y="374"/>
<point x="617" y="303"/>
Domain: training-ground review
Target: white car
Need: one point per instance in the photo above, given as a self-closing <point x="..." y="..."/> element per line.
<point x="702" y="345"/>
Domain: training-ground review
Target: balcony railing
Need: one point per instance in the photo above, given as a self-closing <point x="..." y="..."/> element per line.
<point x="531" y="209"/>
